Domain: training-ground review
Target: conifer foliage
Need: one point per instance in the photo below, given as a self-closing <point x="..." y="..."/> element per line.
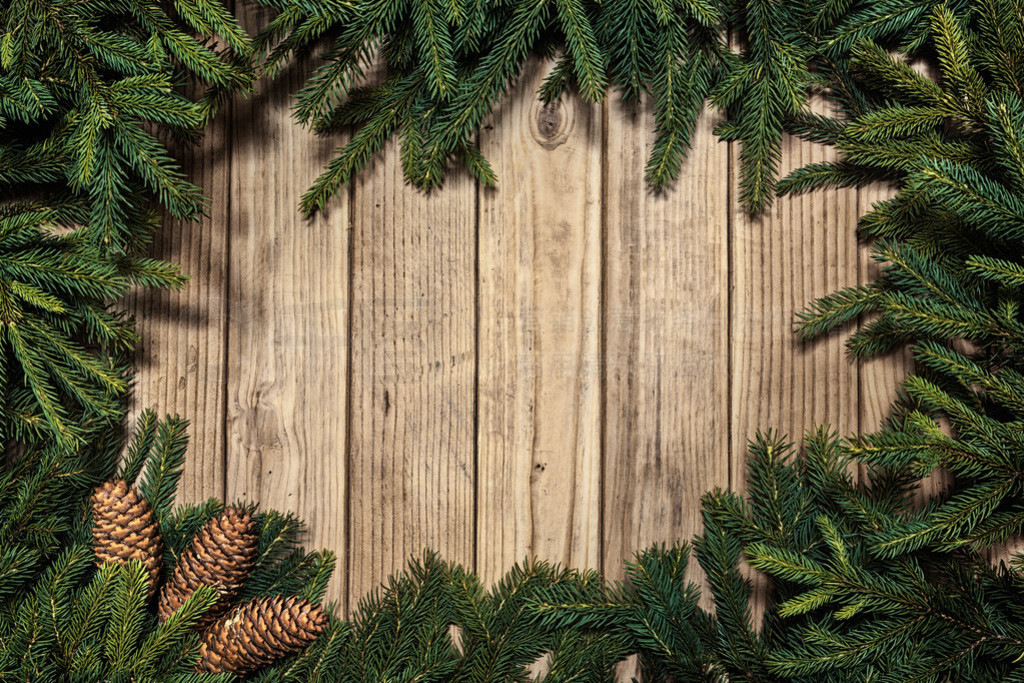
<point x="869" y="582"/>
<point x="62" y="350"/>
<point x="88" y="93"/>
<point x="448" y="63"/>
<point x="65" y="616"/>
<point x="950" y="243"/>
<point x="870" y="579"/>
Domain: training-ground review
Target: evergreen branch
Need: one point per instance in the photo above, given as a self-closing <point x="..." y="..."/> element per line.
<point x="834" y="174"/>
<point x="583" y="49"/>
<point x="435" y="44"/>
<point x="139" y="448"/>
<point x="163" y="465"/>
<point x="126" y="614"/>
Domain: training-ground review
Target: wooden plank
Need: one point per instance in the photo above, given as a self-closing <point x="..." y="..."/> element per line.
<point x="288" y="328"/>
<point x="180" y="362"/>
<point x="412" y="482"/>
<point x="539" y="289"/>
<point x="804" y="247"/>
<point x="666" y="333"/>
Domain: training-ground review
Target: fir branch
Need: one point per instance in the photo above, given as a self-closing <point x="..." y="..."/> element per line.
<point x="163" y="466"/>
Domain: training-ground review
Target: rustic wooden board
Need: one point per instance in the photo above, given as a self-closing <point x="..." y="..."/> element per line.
<point x="411" y="453"/>
<point x="802" y="248"/>
<point x="180" y="361"/>
<point x="666" y="338"/>
<point x="557" y="368"/>
<point x="539" y="288"/>
<point x="288" y="295"/>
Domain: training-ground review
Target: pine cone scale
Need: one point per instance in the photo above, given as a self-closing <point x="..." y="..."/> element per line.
<point x="125" y="528"/>
<point x="221" y="555"/>
<point x="258" y="633"/>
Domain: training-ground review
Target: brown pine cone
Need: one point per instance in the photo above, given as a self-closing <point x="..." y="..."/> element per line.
<point x="124" y="528"/>
<point x="258" y="633"/>
<point x="222" y="554"/>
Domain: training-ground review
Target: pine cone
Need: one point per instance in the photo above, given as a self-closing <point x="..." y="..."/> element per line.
<point x="222" y="554"/>
<point x="258" y="633"/>
<point x="124" y="529"/>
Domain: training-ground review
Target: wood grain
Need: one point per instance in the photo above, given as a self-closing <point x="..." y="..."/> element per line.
<point x="539" y="286"/>
<point x="557" y="368"/>
<point x="666" y="337"/>
<point x="802" y="248"/>
<point x="288" y="331"/>
<point x="180" y="365"/>
<point x="413" y="338"/>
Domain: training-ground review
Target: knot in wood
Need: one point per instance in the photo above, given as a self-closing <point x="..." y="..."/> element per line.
<point x="553" y="125"/>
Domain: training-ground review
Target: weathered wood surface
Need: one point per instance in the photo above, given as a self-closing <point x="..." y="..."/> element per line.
<point x="181" y="363"/>
<point x="538" y="383"/>
<point x="666" y="338"/>
<point x="288" y="302"/>
<point x="558" y="367"/>
<point x="413" y="363"/>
